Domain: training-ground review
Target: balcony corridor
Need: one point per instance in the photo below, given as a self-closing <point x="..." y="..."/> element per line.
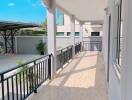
<point x="81" y="79"/>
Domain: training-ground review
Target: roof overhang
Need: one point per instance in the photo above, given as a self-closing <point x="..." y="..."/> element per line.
<point x="83" y="10"/>
<point x="6" y="25"/>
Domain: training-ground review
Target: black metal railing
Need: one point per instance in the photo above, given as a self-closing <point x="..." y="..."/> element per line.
<point x="18" y="83"/>
<point x="77" y="48"/>
<point x="63" y="56"/>
<point x="92" y="45"/>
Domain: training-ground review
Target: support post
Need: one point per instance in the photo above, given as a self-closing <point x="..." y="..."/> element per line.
<point x="51" y="30"/>
<point x="81" y="35"/>
<point x="72" y="19"/>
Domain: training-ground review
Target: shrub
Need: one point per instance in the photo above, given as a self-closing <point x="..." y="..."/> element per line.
<point x="41" y="47"/>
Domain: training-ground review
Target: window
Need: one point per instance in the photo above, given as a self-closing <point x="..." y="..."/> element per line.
<point x="59" y="17"/>
<point x="60" y="33"/>
<point x="68" y="33"/>
<point x="77" y="33"/>
<point x="95" y="33"/>
<point x="119" y="36"/>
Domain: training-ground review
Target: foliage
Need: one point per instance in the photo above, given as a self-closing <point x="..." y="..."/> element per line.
<point x="32" y="32"/>
<point x="23" y="68"/>
<point x="27" y="74"/>
<point x="44" y="25"/>
<point x="1" y="47"/>
<point x="41" y="47"/>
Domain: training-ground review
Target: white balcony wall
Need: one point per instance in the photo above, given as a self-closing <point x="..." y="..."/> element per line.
<point x="114" y="81"/>
<point x="119" y="83"/>
<point x="87" y="27"/>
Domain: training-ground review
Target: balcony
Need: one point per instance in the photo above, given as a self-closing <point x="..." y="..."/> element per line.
<point x="81" y="77"/>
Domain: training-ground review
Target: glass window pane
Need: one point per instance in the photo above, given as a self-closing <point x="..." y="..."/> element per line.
<point x="77" y="33"/>
<point x="95" y="33"/>
<point x="59" y="17"/>
<point x="60" y="33"/>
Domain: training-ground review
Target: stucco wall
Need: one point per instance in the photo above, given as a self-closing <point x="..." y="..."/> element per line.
<point x="27" y="44"/>
<point x="87" y="27"/>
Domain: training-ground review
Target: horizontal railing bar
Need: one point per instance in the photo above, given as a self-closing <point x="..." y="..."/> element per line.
<point x="19" y="66"/>
<point x="64" y="48"/>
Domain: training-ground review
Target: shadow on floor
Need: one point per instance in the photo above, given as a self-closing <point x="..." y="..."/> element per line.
<point x="82" y="79"/>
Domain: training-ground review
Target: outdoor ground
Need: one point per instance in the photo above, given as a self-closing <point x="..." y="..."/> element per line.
<point x="10" y="61"/>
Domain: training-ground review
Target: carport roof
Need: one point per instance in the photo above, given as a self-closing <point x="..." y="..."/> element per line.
<point x="6" y="25"/>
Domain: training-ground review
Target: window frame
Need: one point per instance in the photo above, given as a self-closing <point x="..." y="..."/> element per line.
<point x="118" y="41"/>
<point x="60" y="32"/>
<point x="94" y="33"/>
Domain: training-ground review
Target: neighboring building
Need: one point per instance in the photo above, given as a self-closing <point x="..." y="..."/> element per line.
<point x="63" y="26"/>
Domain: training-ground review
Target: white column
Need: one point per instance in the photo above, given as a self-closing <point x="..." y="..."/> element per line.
<point x="72" y="18"/>
<point x="51" y="31"/>
<point x="81" y="34"/>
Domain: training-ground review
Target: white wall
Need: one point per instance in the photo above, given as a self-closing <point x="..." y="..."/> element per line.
<point x="126" y="72"/>
<point x="27" y="44"/>
<point x="87" y="27"/>
<point x="120" y="87"/>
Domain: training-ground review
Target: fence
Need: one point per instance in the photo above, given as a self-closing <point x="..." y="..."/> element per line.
<point x="63" y="56"/>
<point x="18" y="83"/>
<point x="78" y="47"/>
<point x="92" y="45"/>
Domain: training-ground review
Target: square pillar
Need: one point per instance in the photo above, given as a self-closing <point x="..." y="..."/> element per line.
<point x="51" y="31"/>
<point x="81" y="35"/>
<point x="72" y="19"/>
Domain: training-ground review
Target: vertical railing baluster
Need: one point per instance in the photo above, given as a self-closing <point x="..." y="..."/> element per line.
<point x="8" y="95"/>
<point x="2" y="86"/>
<point x="39" y="73"/>
<point x="24" y="83"/>
<point x="12" y="87"/>
<point x="20" y="85"/>
<point x="17" y="87"/>
<point x="46" y="75"/>
<point x="43" y="70"/>
<point x="31" y="79"/>
<point x="35" y="78"/>
<point x="27" y="86"/>
<point x="49" y="67"/>
<point x="30" y="85"/>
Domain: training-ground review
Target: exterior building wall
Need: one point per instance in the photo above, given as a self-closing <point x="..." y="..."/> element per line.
<point x="114" y="89"/>
<point x="120" y="80"/>
<point x="87" y="27"/>
<point x="27" y="44"/>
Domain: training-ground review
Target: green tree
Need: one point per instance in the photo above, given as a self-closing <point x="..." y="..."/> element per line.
<point x="44" y="25"/>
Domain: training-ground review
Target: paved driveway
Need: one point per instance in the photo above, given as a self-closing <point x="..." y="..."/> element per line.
<point x="10" y="61"/>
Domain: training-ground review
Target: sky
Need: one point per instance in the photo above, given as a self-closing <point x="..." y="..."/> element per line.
<point x="32" y="11"/>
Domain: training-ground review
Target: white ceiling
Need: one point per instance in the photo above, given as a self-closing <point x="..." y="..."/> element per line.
<point x="84" y="10"/>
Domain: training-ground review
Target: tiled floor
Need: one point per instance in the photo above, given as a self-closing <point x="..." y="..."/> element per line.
<point x="82" y="79"/>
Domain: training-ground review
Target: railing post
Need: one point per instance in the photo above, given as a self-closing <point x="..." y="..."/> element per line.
<point x="2" y="85"/>
<point x="35" y="90"/>
<point x="49" y="67"/>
